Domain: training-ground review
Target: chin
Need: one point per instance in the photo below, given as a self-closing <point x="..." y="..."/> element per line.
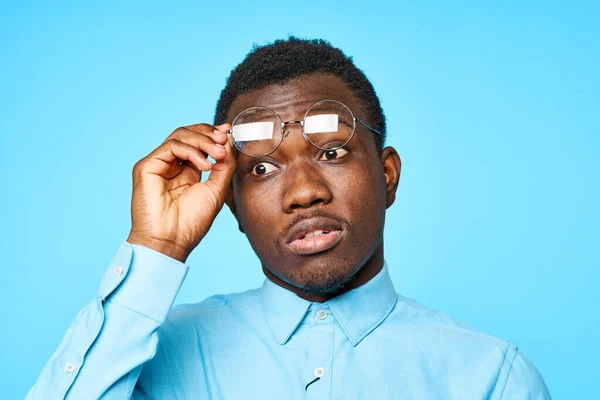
<point x="321" y="277"/>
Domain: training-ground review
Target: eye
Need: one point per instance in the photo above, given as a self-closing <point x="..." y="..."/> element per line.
<point x="333" y="154"/>
<point x="263" y="168"/>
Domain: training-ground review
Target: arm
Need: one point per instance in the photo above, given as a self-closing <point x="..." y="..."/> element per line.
<point x="171" y="211"/>
<point x="103" y="350"/>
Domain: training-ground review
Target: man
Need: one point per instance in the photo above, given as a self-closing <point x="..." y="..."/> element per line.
<point x="298" y="142"/>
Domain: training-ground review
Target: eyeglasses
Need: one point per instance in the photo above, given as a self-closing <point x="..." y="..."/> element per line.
<point x="327" y="125"/>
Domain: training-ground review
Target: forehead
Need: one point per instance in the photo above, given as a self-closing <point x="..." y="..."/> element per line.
<point x="291" y="99"/>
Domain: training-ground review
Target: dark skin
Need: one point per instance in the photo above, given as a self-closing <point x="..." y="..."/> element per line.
<point x="352" y="190"/>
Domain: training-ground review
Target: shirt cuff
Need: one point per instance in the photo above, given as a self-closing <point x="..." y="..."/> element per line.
<point x="143" y="280"/>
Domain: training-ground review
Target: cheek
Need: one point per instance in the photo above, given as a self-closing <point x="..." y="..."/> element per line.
<point x="363" y="182"/>
<point x="364" y="199"/>
<point x="257" y="210"/>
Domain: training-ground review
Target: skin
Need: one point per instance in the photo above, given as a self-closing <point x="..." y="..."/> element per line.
<point x="355" y="188"/>
<point x="172" y="210"/>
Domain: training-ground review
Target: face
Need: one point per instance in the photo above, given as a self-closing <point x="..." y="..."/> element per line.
<point x="315" y="218"/>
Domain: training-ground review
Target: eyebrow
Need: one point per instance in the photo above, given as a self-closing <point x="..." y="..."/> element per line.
<point x="260" y="113"/>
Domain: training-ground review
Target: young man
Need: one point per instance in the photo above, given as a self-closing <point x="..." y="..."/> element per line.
<point x="298" y="139"/>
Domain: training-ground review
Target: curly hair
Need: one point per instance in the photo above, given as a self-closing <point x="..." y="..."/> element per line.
<point x="283" y="60"/>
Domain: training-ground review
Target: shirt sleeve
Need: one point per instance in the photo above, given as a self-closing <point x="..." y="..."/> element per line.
<point x="102" y="352"/>
<point x="524" y="381"/>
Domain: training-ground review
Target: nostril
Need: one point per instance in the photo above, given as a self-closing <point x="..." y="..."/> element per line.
<point x="317" y="201"/>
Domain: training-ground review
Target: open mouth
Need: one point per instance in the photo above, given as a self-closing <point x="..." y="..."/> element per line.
<point x="314" y="235"/>
<point x="315" y="241"/>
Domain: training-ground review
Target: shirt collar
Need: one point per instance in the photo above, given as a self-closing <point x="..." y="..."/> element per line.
<point x="358" y="311"/>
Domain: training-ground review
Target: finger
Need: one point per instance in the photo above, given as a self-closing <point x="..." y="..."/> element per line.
<point x="188" y="165"/>
<point x="223" y="127"/>
<point x="188" y="173"/>
<point x="222" y="132"/>
<point x="201" y="140"/>
<point x="218" y="135"/>
<point x="160" y="160"/>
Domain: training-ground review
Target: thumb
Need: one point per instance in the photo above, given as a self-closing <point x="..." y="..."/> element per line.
<point x="222" y="172"/>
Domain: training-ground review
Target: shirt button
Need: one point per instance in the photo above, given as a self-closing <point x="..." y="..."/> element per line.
<point x="69" y="367"/>
<point x="319" y="372"/>
<point x="321" y="314"/>
<point x="118" y="270"/>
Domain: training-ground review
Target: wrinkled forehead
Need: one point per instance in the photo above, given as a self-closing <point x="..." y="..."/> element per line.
<point x="291" y="99"/>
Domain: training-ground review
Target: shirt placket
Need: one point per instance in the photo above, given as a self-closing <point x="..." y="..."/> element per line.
<point x="319" y="372"/>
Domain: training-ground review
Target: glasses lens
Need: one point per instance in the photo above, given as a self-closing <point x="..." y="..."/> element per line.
<point x="329" y="124"/>
<point x="256" y="131"/>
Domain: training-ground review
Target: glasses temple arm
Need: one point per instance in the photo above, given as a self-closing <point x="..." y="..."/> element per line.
<point x="368" y="127"/>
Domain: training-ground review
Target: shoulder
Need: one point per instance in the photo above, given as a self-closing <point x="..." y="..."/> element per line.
<point x="516" y="377"/>
<point x="522" y="380"/>
<point x="216" y="310"/>
<point x="411" y="313"/>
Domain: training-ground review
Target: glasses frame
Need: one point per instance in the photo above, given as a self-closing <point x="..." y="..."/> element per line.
<point x="355" y="119"/>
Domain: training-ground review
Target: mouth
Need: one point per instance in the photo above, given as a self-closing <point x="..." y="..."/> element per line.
<point x="314" y="235"/>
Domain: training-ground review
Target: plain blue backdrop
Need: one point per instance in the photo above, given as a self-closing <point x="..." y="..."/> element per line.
<point x="493" y="109"/>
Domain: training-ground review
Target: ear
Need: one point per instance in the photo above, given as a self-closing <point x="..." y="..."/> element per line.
<point x="390" y="160"/>
<point x="230" y="201"/>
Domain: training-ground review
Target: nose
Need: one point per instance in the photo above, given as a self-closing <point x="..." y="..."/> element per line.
<point x="305" y="188"/>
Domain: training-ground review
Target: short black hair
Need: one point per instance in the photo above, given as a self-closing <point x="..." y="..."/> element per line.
<point x="283" y="60"/>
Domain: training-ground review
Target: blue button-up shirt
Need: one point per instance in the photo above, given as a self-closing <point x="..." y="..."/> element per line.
<point x="268" y="343"/>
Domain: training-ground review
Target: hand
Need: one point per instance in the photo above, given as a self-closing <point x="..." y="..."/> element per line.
<point x="171" y="210"/>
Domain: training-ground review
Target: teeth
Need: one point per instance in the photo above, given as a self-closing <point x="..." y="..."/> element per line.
<point x="315" y="233"/>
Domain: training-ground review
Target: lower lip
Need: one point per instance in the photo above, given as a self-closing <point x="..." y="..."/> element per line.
<point x="316" y="244"/>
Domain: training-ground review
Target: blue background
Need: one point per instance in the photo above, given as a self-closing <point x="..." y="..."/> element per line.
<point x="493" y="109"/>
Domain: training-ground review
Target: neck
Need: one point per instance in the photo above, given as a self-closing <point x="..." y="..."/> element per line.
<point x="365" y="273"/>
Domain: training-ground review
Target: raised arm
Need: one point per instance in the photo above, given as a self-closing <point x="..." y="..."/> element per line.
<point x="102" y="352"/>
